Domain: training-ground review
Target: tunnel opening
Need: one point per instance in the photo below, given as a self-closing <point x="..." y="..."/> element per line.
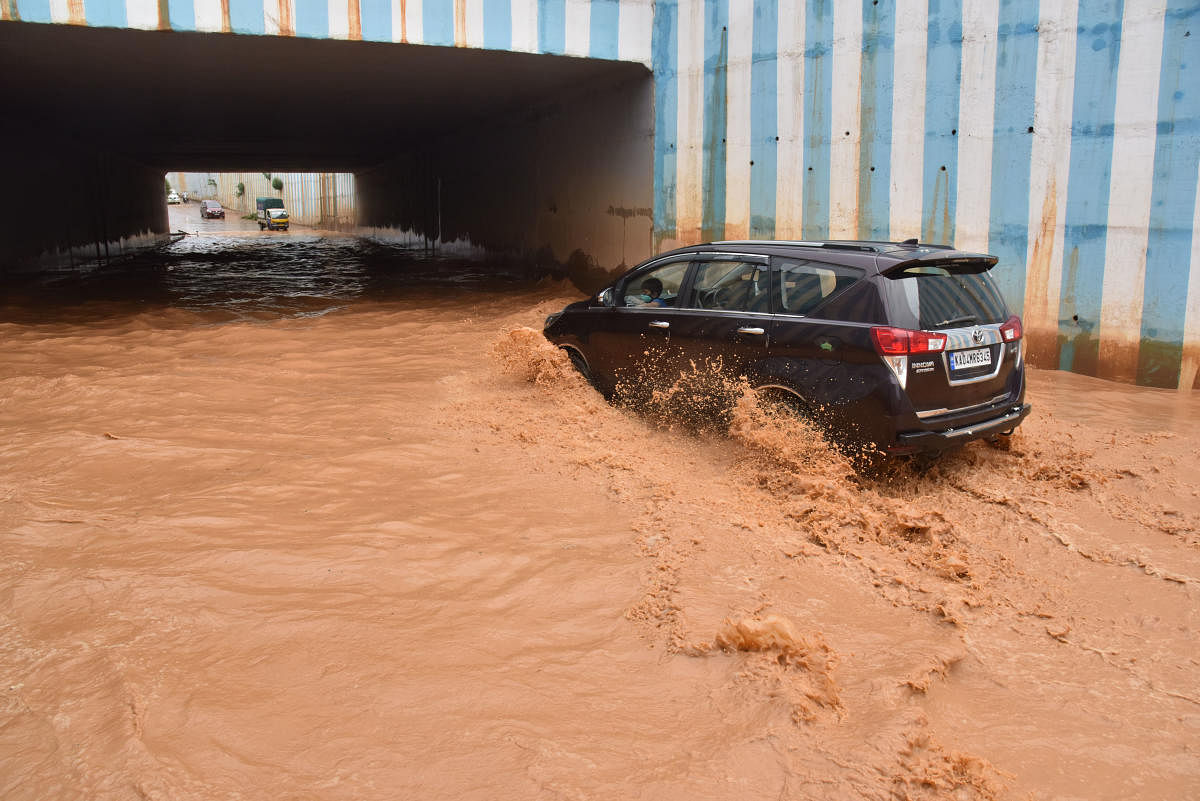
<point x="492" y="153"/>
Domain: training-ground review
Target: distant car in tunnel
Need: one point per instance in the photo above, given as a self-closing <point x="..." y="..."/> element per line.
<point x="211" y="209"/>
<point x="274" y="220"/>
<point x="173" y="199"/>
<point x="900" y="348"/>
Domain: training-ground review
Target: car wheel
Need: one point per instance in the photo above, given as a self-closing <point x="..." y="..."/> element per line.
<point x="579" y="363"/>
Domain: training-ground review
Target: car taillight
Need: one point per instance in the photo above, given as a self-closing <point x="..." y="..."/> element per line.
<point x="902" y="341"/>
<point x="1011" y="330"/>
<point x="895" y="345"/>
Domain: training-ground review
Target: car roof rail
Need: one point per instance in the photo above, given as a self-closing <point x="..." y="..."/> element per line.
<point x="862" y="247"/>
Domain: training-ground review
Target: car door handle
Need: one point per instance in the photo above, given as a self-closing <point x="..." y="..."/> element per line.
<point x="756" y="331"/>
<point x="659" y="324"/>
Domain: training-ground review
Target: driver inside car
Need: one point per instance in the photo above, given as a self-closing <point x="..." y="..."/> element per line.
<point x="650" y="294"/>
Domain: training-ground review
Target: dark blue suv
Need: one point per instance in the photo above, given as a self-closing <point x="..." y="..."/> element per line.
<point x="902" y="347"/>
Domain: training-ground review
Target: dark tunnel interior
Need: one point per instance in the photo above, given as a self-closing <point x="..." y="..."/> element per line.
<point x="95" y="116"/>
<point x="205" y="101"/>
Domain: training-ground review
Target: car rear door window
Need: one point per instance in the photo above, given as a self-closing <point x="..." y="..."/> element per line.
<point x="731" y="286"/>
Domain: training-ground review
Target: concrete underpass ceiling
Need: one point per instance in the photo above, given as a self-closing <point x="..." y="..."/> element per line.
<point x="204" y="101"/>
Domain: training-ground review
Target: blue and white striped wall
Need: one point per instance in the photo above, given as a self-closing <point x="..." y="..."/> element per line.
<point x="1061" y="135"/>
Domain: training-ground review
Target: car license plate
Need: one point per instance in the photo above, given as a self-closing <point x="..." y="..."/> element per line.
<point x="966" y="359"/>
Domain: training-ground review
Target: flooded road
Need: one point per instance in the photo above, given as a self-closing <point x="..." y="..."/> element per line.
<point x="289" y="516"/>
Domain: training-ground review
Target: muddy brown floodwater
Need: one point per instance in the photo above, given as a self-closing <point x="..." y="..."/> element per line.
<point x="280" y="519"/>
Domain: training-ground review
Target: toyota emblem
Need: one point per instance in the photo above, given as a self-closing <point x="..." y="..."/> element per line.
<point x="977" y="335"/>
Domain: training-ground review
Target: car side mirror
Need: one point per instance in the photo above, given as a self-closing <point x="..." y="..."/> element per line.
<point x="605" y="296"/>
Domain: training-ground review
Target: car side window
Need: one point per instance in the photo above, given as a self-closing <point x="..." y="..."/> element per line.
<point x="656" y="288"/>
<point x="732" y="286"/>
<point x="805" y="285"/>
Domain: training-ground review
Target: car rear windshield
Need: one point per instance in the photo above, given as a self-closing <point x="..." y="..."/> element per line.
<point x="951" y="296"/>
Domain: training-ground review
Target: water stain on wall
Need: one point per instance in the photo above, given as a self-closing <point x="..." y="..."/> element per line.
<point x="939" y="207"/>
<point x="1040" y="325"/>
<point x="1168" y="365"/>
<point x="714" y="147"/>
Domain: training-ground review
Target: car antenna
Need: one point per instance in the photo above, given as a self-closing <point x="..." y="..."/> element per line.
<point x="909" y="242"/>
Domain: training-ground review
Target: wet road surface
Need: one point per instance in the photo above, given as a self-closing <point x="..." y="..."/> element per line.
<point x="300" y="516"/>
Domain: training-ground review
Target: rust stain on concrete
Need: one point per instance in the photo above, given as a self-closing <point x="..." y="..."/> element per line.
<point x="354" y="12"/>
<point x="1118" y="360"/>
<point x="1041" y="324"/>
<point x="164" y="15"/>
<point x="76" y="14"/>
<point x="287" y="23"/>
<point x="404" y="21"/>
<point x="226" y="24"/>
<point x="1189" y="369"/>
<point x="460" y="23"/>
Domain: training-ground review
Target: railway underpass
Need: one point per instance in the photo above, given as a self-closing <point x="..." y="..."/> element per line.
<point x="515" y="154"/>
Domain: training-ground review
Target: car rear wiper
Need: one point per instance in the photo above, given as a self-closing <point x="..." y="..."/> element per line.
<point x="957" y="321"/>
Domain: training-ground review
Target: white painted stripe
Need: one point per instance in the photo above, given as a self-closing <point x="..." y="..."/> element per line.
<point x="579" y="25"/>
<point x="474" y="23"/>
<point x="1136" y="122"/>
<point x="908" y="119"/>
<point x="737" y="126"/>
<point x="1050" y="164"/>
<point x="635" y="19"/>
<point x="1191" y="325"/>
<point x="208" y="15"/>
<point x="524" y="26"/>
<point x="141" y="14"/>
<point x="789" y="204"/>
<point x="399" y="34"/>
<point x="414" y="21"/>
<point x="847" y="123"/>
<point x="60" y="11"/>
<point x="339" y="19"/>
<point x="689" y="163"/>
<point x="271" y="17"/>
<point x="976" y="114"/>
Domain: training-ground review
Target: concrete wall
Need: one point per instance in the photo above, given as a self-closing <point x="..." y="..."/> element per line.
<point x="1062" y="136"/>
<point x="66" y="206"/>
<point x="567" y="184"/>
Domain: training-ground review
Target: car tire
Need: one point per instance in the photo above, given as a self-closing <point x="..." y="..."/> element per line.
<point x="579" y="363"/>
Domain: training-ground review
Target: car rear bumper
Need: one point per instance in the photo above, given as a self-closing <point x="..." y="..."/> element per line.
<point x="918" y="441"/>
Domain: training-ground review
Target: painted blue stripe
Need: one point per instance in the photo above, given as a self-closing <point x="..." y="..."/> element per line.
<point x="182" y="15"/>
<point x="33" y="10"/>
<point x="312" y="18"/>
<point x="552" y="26"/>
<point x="664" y="50"/>
<point x="875" y="121"/>
<point x="437" y="20"/>
<point x="1097" y="53"/>
<point x="604" y="29"/>
<point x="716" y="116"/>
<point x="1173" y="198"/>
<point x="246" y="16"/>
<point x="105" y="13"/>
<point x="1012" y="153"/>
<point x="497" y="24"/>
<point x="376" y="17"/>
<point x="764" y="119"/>
<point x="942" y="84"/>
<point x="818" y="101"/>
